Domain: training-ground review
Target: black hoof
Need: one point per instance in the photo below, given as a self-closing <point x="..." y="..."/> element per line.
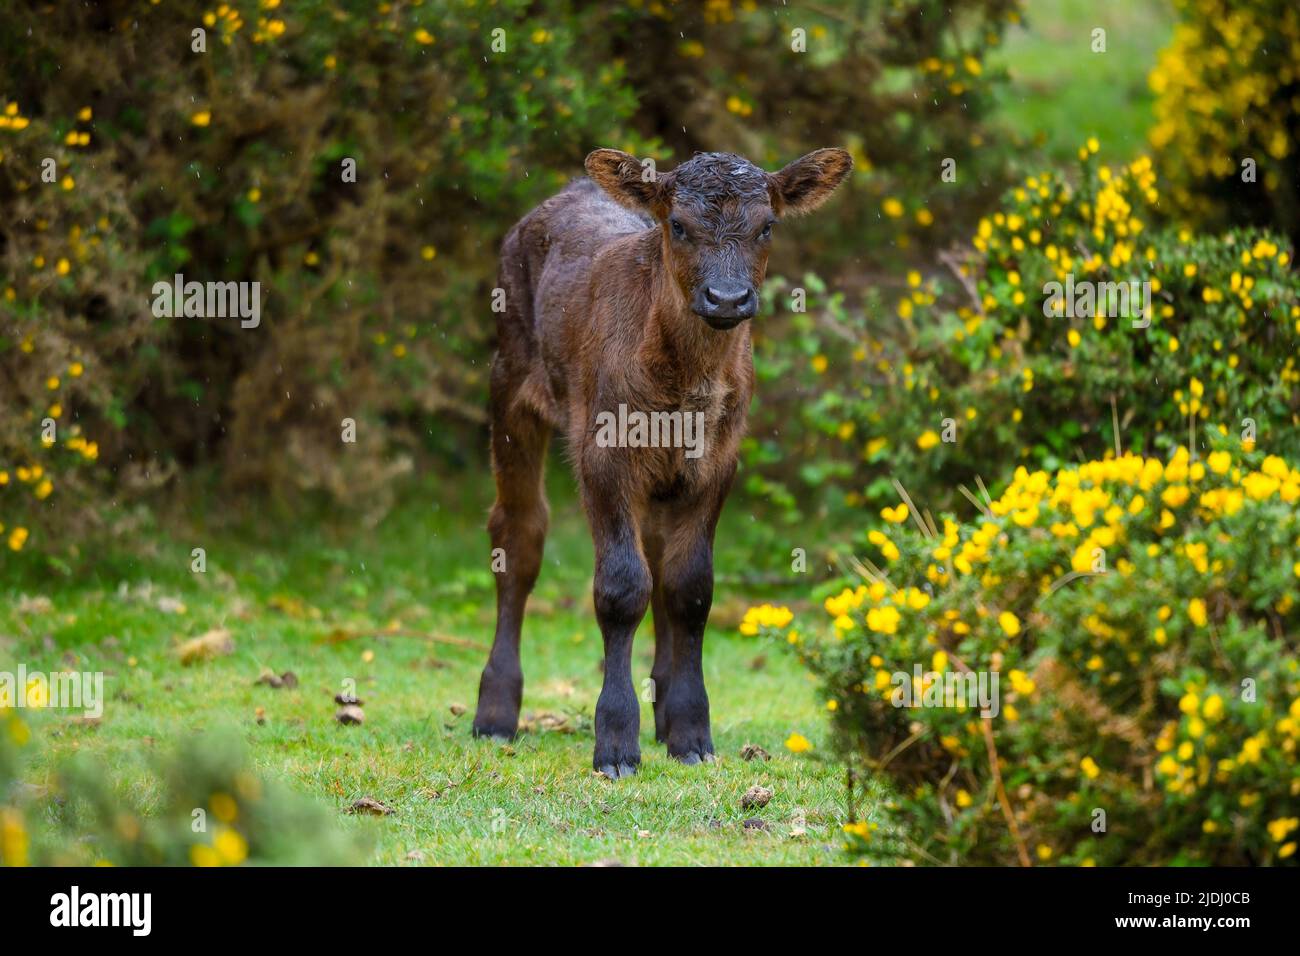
<point x="501" y="735"/>
<point x="692" y="757"/>
<point x="617" y="771"/>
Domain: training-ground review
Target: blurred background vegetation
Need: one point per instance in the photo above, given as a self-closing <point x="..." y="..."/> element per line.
<point x="126" y="157"/>
<point x="227" y="165"/>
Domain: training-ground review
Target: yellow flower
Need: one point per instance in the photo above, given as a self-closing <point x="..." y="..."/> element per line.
<point x="927" y="440"/>
<point x="1213" y="707"/>
<point x="883" y="620"/>
<point x="798" y="743"/>
<point x="1279" y="829"/>
<point x="13" y="838"/>
<point x="201" y="118"/>
<point x="1009" y="623"/>
<point x="819" y="363"/>
<point x="17" y="538"/>
<point x="1196" y="612"/>
<point x="230" y="846"/>
<point x="203" y="855"/>
<point x="424" y="37"/>
<point x="1089" y="768"/>
<point x="892" y="208"/>
<point x="224" y="807"/>
<point x="899" y="514"/>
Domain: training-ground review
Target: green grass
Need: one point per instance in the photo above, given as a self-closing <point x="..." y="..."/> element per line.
<point x="424" y="571"/>
<point x="1060" y="92"/>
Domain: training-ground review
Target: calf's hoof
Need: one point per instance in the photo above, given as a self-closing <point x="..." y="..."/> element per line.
<point x="496" y="732"/>
<point x="617" y="771"/>
<point x="616" y="761"/>
<point x="694" y="757"/>
<point x="691" y="748"/>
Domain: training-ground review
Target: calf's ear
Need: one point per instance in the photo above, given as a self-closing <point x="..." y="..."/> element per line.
<point x="627" y="181"/>
<point x="806" y="183"/>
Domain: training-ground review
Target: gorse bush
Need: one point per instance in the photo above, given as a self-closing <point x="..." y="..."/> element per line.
<point x="994" y="367"/>
<point x="234" y="164"/>
<point x="133" y="148"/>
<point x="1141" y="615"/>
<point x="1228" y="113"/>
<point x="211" y="809"/>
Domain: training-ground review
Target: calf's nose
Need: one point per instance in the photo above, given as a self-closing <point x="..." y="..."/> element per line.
<point x="730" y="301"/>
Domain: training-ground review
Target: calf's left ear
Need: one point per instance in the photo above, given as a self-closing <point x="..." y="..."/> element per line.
<point x="807" y="182"/>
<point x="627" y="180"/>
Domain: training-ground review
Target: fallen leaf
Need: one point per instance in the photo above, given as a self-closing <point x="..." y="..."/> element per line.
<point x="546" y="721"/>
<point x="350" y="714"/>
<point x="751" y="751"/>
<point x="171" y="605"/>
<point x="206" y="647"/>
<point x="755" y="796"/>
<point x="271" y="679"/>
<point x="33" y="605"/>
<point x="372" y="806"/>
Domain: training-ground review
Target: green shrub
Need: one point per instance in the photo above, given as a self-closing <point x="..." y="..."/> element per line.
<point x="208" y="808"/>
<point x="979" y="362"/>
<point x="1226" y="93"/>
<point x="1141" y="616"/>
<point x="227" y="165"/>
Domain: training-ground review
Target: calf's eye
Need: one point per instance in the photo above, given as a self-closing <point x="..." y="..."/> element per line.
<point x="679" y="231"/>
<point x="767" y="232"/>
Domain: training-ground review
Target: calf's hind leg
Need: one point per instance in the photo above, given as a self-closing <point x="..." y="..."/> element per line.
<point x="517" y="526"/>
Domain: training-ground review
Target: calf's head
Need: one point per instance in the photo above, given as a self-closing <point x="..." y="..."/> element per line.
<point x="716" y="212"/>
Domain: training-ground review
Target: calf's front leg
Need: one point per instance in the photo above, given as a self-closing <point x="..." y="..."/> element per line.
<point x="622" y="593"/>
<point x="688" y="596"/>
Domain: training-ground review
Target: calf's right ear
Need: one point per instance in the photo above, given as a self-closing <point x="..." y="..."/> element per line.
<point x="629" y="182"/>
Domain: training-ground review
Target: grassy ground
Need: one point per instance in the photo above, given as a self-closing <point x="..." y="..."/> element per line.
<point x="1061" y="92"/>
<point x="295" y="600"/>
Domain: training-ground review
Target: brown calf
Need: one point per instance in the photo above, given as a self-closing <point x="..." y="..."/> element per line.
<point x="629" y="293"/>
